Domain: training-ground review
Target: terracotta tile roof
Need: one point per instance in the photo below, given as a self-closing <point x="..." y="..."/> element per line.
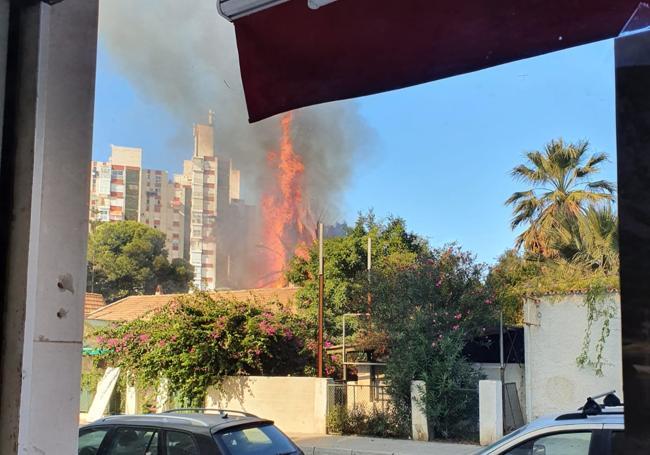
<point x="136" y="306"/>
<point x="93" y="302"/>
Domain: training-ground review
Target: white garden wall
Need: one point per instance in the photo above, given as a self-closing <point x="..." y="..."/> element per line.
<point x="296" y="405"/>
<point x="514" y="372"/>
<point x="554" y="331"/>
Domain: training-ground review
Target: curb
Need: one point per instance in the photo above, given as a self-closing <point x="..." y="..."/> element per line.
<point x="310" y="450"/>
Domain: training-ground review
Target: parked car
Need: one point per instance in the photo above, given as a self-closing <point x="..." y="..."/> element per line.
<point x="594" y="430"/>
<point x="185" y="432"/>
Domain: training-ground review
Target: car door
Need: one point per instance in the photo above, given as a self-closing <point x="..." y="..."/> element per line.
<point x="132" y="440"/>
<point x="91" y="439"/>
<point x="177" y="442"/>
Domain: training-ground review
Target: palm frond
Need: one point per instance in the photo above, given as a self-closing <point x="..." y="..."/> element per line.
<point x="602" y="185"/>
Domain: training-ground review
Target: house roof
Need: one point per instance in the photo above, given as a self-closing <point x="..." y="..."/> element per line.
<point x="136" y="306"/>
<point x="93" y="302"/>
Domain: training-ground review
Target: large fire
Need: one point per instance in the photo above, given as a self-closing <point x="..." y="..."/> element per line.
<point x="285" y="213"/>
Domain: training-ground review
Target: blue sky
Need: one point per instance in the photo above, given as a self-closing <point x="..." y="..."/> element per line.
<point x="443" y="149"/>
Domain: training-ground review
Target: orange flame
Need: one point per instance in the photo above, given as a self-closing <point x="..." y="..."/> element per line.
<point x="284" y="211"/>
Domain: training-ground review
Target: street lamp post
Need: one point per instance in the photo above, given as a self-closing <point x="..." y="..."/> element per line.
<point x="321" y="290"/>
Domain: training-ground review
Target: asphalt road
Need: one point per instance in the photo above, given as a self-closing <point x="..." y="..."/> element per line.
<point x="356" y="445"/>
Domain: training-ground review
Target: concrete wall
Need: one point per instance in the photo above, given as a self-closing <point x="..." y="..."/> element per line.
<point x="490" y="411"/>
<point x="45" y="174"/>
<point x="554" y="332"/>
<point x="514" y="373"/>
<point x="296" y="405"/>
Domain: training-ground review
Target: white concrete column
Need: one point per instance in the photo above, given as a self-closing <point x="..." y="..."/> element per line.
<point x="490" y="411"/>
<point x="131" y="402"/>
<point x="419" y="423"/>
<point x="46" y="153"/>
<point x="162" y="396"/>
<point x="320" y="404"/>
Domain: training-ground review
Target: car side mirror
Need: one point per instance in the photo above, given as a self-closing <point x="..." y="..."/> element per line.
<point x="539" y="449"/>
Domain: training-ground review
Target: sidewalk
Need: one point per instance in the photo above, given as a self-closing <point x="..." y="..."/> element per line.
<point x="356" y="445"/>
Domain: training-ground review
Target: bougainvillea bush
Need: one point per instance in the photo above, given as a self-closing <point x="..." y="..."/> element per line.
<point x="196" y="341"/>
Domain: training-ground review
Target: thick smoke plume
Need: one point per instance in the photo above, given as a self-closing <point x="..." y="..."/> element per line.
<point x="182" y="54"/>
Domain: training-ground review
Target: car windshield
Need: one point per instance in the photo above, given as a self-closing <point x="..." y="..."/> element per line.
<point x="263" y="440"/>
<point x="506" y="438"/>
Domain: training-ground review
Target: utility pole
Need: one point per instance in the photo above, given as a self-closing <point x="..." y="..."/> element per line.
<point x="321" y="291"/>
<point x="369" y="267"/>
<point x="502" y="365"/>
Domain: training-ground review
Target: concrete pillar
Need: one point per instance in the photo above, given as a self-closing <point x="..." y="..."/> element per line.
<point x="44" y="181"/>
<point x="162" y="396"/>
<point x="320" y="404"/>
<point x="633" y="143"/>
<point x="419" y="423"/>
<point x="131" y="405"/>
<point x="490" y="411"/>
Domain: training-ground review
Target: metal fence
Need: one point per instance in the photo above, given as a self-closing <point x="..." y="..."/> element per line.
<point x="513" y="417"/>
<point x="355" y="396"/>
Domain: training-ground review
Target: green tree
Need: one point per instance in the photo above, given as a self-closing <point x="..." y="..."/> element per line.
<point x="127" y="258"/>
<point x="346" y="265"/>
<point x="592" y="240"/>
<point x="429" y="310"/>
<point x="561" y="193"/>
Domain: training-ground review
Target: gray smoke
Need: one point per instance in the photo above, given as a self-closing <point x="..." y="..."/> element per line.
<point x="183" y="54"/>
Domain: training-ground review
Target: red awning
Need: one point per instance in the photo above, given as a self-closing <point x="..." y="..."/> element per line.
<point x="292" y="56"/>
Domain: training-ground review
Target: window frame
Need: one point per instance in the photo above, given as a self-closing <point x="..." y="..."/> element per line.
<point x="595" y="442"/>
<point x="108" y="440"/>
<point x="541" y="432"/>
<point x="107" y="437"/>
<point x="175" y="430"/>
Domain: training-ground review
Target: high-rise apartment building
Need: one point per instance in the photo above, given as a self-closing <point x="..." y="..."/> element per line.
<point x="121" y="190"/>
<point x="115" y="186"/>
<point x="200" y="211"/>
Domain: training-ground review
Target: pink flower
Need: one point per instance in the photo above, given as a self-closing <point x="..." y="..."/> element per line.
<point x="288" y="334"/>
<point x="458" y="316"/>
<point x="267" y="328"/>
<point x="112" y="342"/>
<point x="174" y="338"/>
<point x="439" y="282"/>
<point x="488" y="301"/>
<point x="162" y="343"/>
<point x="434" y="344"/>
<point x="144" y="338"/>
<point x="328" y="344"/>
<point x="192" y="350"/>
<point x="101" y="340"/>
<point x="455" y="327"/>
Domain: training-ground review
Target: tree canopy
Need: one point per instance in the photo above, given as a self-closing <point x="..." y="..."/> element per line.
<point x="127" y="258"/>
<point x="562" y="192"/>
<point x="429" y="310"/>
<point x="346" y="263"/>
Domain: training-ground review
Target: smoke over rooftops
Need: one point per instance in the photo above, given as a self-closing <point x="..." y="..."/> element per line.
<point x="183" y="54"/>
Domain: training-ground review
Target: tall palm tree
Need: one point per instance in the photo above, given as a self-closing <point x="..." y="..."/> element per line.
<point x="562" y="191"/>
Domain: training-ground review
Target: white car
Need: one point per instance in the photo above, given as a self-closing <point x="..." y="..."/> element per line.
<point x="594" y="429"/>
